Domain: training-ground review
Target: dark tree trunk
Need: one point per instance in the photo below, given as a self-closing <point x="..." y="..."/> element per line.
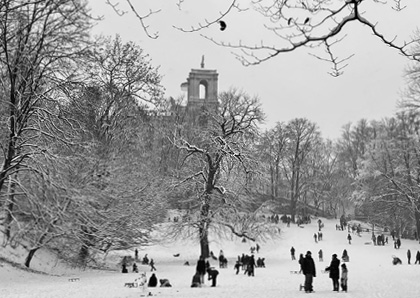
<point x="30" y="256"/>
<point x="204" y="242"/>
<point x="417" y="217"/>
<point x="204" y="227"/>
<point x="83" y="254"/>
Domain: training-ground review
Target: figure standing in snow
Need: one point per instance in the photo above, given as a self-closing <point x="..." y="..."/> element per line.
<point x="237" y="267"/>
<point x="201" y="268"/>
<point x="196" y="280"/>
<point x="345" y="256"/>
<point x="344" y="274"/>
<point x="152" y="281"/>
<point x="315" y="238"/>
<point x="292" y="252"/>
<point x="334" y="270"/>
<point x="408" y="256"/>
<point x="124" y="268"/>
<point x="320" y="255"/>
<point x="349" y="238"/>
<point x="309" y="271"/>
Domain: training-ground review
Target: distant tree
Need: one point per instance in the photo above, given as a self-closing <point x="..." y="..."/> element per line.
<point x="272" y="151"/>
<point x="389" y="177"/>
<point x="303" y="137"/>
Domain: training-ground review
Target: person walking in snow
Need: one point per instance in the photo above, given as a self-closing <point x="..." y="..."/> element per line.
<point x="152" y="281"/>
<point x="152" y="265"/>
<point x="308" y="269"/>
<point x="398" y="243"/>
<point x="417" y="258"/>
<point x="334" y="270"/>
<point x="320" y="255"/>
<point x="301" y="259"/>
<point x="250" y="268"/>
<point x="315" y="238"/>
<point x="292" y="252"/>
<point x="344" y="277"/>
<point x="349" y="238"/>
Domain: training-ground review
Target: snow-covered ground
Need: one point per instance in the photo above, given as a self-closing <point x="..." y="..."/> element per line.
<point x="371" y="273"/>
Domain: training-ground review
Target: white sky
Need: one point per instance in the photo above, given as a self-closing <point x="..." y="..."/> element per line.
<point x="290" y="85"/>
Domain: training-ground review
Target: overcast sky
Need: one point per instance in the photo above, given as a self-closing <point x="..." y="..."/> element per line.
<point x="290" y="85"/>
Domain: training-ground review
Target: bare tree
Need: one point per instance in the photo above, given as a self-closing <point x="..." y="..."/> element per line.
<point x="389" y="176"/>
<point x="294" y="24"/>
<point x="39" y="41"/>
<point x="302" y="137"/>
<point x="216" y="169"/>
<point x="114" y="179"/>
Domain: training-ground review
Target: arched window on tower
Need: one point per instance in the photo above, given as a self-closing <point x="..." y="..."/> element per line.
<point x="203" y="89"/>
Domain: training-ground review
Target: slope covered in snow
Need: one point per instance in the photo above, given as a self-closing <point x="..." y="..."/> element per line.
<point x="371" y="273"/>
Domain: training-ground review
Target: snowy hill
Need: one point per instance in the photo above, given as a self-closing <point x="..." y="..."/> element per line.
<point x="371" y="273"/>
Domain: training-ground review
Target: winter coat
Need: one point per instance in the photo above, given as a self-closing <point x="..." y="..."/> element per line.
<point x="301" y="259"/>
<point x="152" y="281"/>
<point x="334" y="268"/>
<point x="344" y="273"/>
<point x="308" y="265"/>
<point x="201" y="266"/>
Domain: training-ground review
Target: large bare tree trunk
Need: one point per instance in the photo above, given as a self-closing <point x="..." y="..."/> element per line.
<point x="204" y="227"/>
<point x="204" y="241"/>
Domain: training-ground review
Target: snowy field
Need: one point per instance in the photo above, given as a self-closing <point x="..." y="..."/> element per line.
<point x="371" y="273"/>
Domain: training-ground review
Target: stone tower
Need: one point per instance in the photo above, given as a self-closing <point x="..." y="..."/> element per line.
<point x="201" y="90"/>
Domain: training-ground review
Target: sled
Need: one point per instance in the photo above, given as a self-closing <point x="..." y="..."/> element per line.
<point x="130" y="284"/>
<point x="74" y="279"/>
<point x="294" y="272"/>
<point x="301" y="287"/>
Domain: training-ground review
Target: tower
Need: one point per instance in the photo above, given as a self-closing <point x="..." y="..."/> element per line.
<point x="201" y="90"/>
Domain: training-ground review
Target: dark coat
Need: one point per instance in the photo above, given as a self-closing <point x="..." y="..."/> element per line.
<point x="308" y="265"/>
<point x="201" y="266"/>
<point x="334" y="268"/>
<point x="196" y="280"/>
<point x="152" y="281"/>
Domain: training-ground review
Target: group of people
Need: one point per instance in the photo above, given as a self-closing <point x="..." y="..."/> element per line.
<point x="202" y="268"/>
<point x="307" y="265"/>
